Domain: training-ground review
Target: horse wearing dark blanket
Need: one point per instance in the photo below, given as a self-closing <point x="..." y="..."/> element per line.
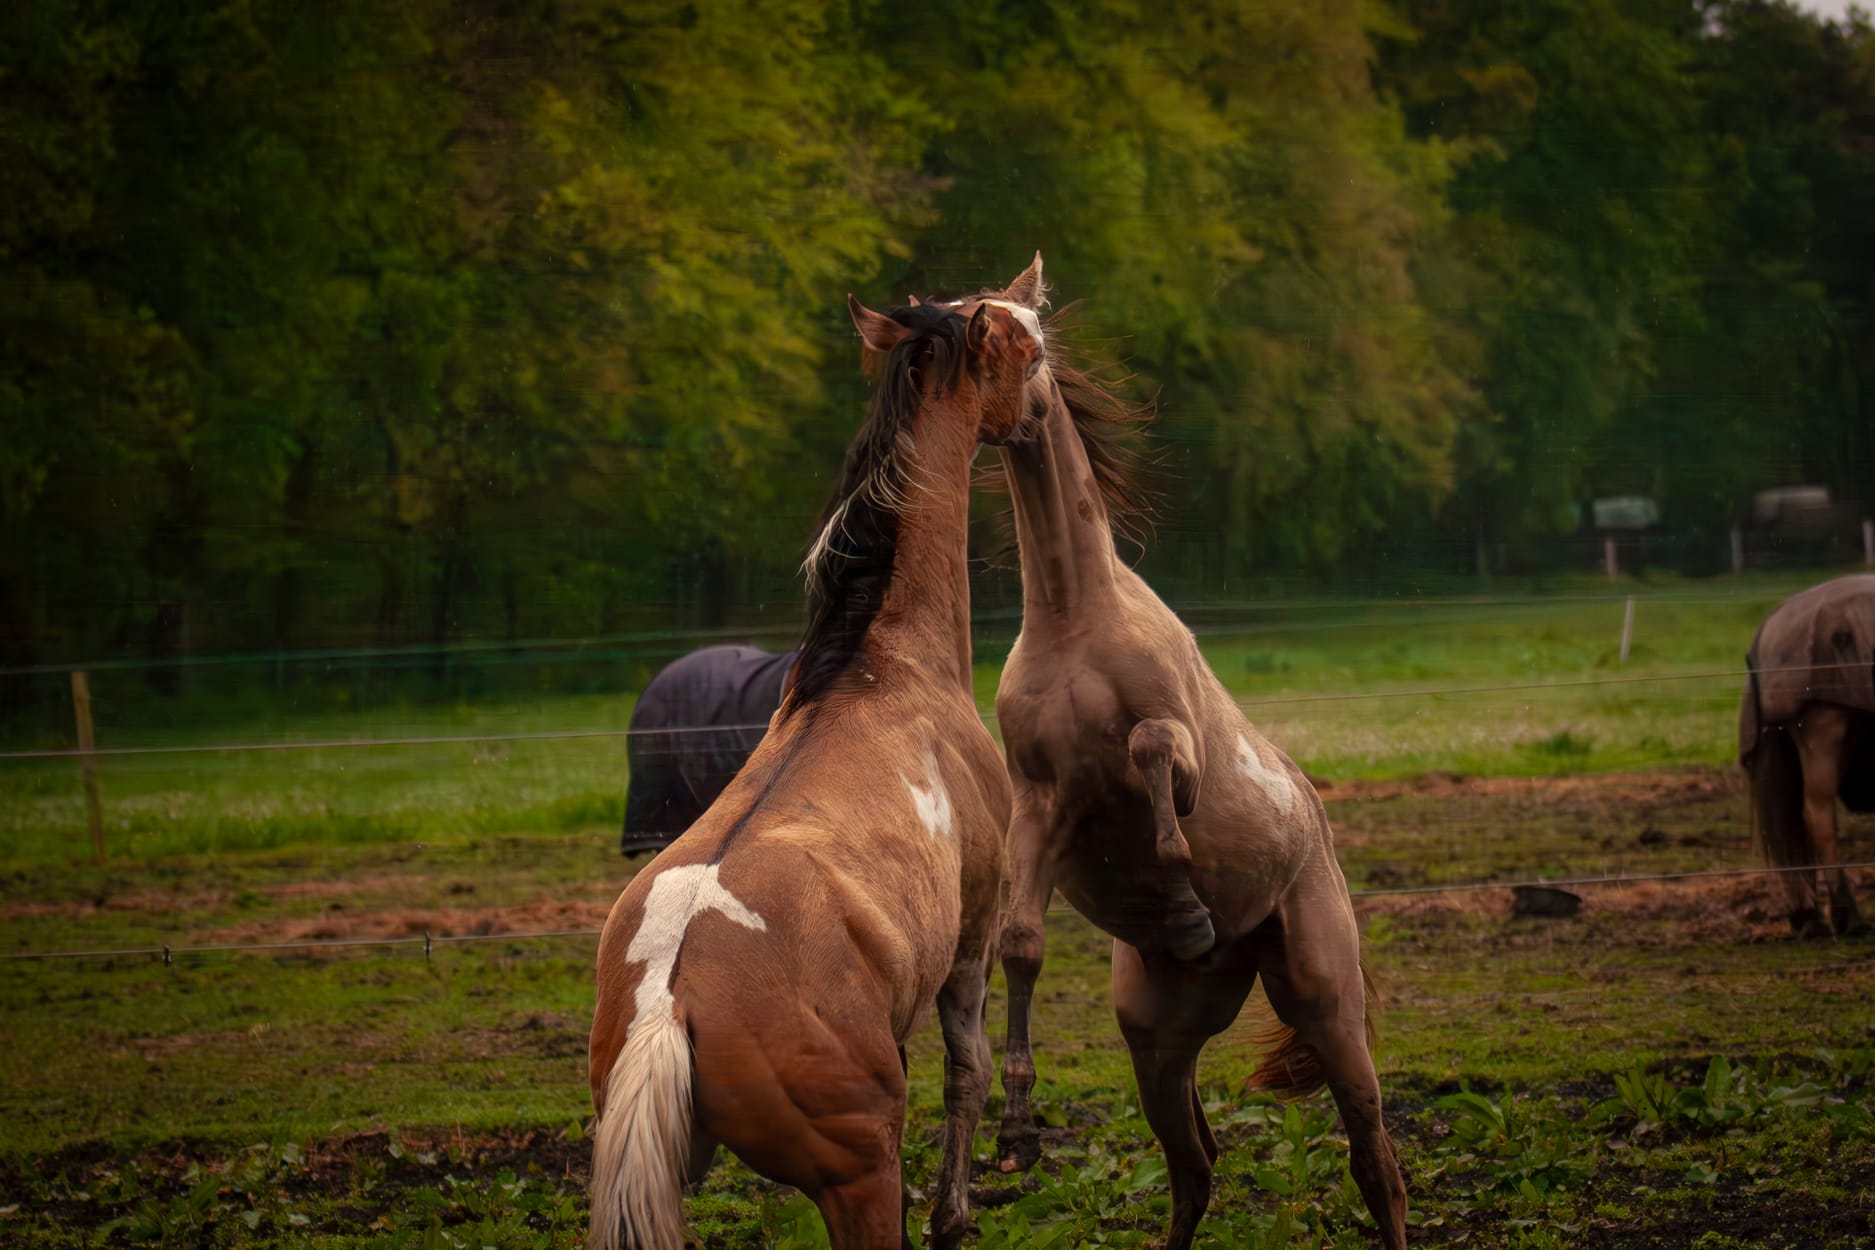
<point x="1806" y="735"/>
<point x="694" y="727"/>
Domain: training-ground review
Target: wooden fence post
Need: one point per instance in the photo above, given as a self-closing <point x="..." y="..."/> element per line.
<point x="88" y="762"/>
<point x="1627" y="629"/>
<point x="1609" y="560"/>
<point x="1738" y="550"/>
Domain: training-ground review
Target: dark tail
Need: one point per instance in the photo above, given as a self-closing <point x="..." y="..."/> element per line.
<point x="1287" y="1066"/>
<point x="1777" y="800"/>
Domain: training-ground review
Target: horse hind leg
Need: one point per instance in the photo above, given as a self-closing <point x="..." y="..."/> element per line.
<point x="1822" y="738"/>
<point x="1316" y="984"/>
<point x="1162" y="751"/>
<point x="966" y="1089"/>
<point x="865" y="1213"/>
<point x="1778" y="820"/>
<point x="1166" y="1015"/>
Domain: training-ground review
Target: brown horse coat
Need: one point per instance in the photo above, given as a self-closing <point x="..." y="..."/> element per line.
<point x="1166" y="819"/>
<point x="1806" y="736"/>
<point x="757" y="980"/>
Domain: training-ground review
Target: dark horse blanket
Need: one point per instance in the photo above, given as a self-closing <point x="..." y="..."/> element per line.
<point x="1818" y="646"/>
<point x="694" y="727"/>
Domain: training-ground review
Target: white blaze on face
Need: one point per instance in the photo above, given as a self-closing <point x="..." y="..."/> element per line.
<point x="1030" y="322"/>
<point x="1027" y="316"/>
<point x="933" y="802"/>
<point x="677" y="897"/>
<point x="1274" y="782"/>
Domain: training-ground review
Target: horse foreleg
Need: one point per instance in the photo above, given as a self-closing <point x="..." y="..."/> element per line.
<point x="1163" y="752"/>
<point x="1820" y="739"/>
<point x="1024" y="939"/>
<point x="966" y="1089"/>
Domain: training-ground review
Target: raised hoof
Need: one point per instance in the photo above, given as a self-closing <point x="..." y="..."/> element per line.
<point x="1808" y="923"/>
<point x="1190" y="939"/>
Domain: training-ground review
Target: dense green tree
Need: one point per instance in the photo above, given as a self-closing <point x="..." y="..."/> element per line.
<point x="326" y="324"/>
<point x="1244" y="213"/>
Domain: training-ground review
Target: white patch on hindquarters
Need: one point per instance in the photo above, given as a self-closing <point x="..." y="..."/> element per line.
<point x="1274" y="782"/>
<point x="678" y="896"/>
<point x="933" y="803"/>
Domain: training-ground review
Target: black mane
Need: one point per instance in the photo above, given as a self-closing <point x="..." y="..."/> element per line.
<point x="851" y="563"/>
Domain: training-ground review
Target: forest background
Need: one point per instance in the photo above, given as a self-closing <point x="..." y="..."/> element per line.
<point x="362" y="324"/>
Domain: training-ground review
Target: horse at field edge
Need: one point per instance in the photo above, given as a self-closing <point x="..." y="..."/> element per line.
<point x="692" y="729"/>
<point x="1806" y="737"/>
<point x="1164" y="817"/>
<point x="758" y="979"/>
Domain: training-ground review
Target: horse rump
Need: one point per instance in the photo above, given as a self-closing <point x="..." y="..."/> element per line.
<point x="1777" y="800"/>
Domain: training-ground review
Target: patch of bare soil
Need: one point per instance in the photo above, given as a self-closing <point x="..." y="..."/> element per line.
<point x="1716" y="910"/>
<point x="1677" y="785"/>
<point x="150" y="901"/>
<point x="1772" y="1221"/>
<point x="542" y="915"/>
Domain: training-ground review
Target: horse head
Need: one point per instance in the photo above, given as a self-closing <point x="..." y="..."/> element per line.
<point x="915" y="347"/>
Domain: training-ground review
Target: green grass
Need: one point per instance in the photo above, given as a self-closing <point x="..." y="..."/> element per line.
<point x="1296" y="670"/>
<point x="378" y="1098"/>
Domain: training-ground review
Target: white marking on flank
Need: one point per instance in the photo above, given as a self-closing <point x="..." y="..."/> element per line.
<point x="678" y="896"/>
<point x="1274" y="782"/>
<point x="934" y="803"/>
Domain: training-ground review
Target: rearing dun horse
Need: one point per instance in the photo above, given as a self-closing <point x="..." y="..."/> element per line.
<point x="758" y="979"/>
<point x="1166" y="819"/>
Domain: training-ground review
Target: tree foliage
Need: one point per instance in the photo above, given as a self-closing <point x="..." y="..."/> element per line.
<point x="358" y="322"/>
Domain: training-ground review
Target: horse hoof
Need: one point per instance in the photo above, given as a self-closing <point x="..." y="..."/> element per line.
<point x="1019" y="1155"/>
<point x="1808" y="923"/>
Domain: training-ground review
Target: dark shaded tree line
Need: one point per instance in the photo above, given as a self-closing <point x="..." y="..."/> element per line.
<point x="351" y="323"/>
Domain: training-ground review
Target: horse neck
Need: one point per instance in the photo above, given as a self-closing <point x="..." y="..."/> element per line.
<point x="925" y="613"/>
<point x="1062" y="527"/>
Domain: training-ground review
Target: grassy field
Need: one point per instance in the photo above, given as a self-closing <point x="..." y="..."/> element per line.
<point x="1521" y="686"/>
<point x="1665" y="1069"/>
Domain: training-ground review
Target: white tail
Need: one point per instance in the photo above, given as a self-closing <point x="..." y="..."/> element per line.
<point x="642" y="1145"/>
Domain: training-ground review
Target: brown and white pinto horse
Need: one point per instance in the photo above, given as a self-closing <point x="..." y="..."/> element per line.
<point x="1166" y="819"/>
<point x="1806" y="737"/>
<point x="758" y="979"/>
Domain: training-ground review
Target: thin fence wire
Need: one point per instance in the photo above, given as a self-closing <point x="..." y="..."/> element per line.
<point x="988" y="715"/>
<point x="169" y="951"/>
<point x="1440" y="611"/>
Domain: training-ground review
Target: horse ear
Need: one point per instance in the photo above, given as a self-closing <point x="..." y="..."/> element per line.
<point x="880" y="332"/>
<point x="1028" y="289"/>
<point x="977" y="334"/>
